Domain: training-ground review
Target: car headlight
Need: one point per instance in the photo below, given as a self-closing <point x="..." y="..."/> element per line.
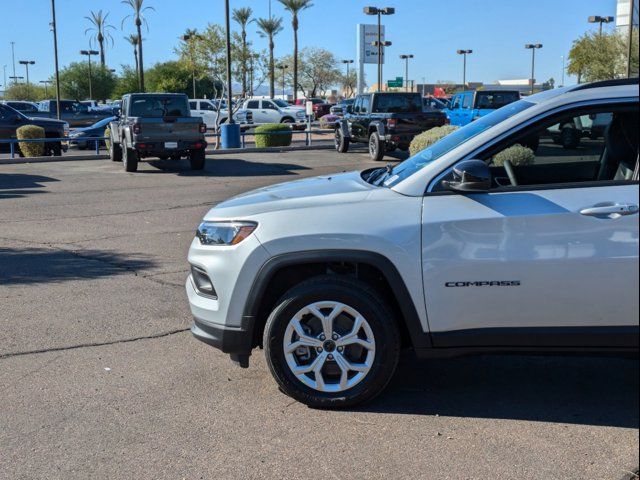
<point x="224" y="233"/>
<point x="301" y="114"/>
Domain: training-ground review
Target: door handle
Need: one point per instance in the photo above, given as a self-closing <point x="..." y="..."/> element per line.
<point x="610" y="210"/>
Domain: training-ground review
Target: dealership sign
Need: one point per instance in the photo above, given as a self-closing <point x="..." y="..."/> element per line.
<point x="367" y="34"/>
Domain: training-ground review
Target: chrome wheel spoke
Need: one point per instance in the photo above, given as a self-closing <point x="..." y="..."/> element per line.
<point x="346" y="365"/>
<point x="314" y="366"/>
<point x="304" y="340"/>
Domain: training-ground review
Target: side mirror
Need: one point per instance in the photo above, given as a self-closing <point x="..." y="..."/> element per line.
<point x="469" y="176"/>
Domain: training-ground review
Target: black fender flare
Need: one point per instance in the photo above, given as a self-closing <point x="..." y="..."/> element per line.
<point x="378" y="127"/>
<point x="343" y="125"/>
<point x="418" y="337"/>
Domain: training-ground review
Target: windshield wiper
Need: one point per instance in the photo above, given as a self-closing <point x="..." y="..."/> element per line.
<point x="379" y="175"/>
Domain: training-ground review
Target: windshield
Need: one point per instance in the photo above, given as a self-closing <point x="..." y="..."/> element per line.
<point x="394" y="103"/>
<point x="495" y="100"/>
<point x="158" y="106"/>
<point x="451" y="141"/>
<point x="281" y="103"/>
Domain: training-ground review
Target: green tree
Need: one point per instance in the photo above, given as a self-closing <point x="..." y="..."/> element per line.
<point x="20" y="91"/>
<point x="74" y="81"/>
<point x="175" y="77"/>
<point x="595" y="57"/>
<point x="100" y="31"/>
<point x="127" y="82"/>
<point x="295" y="7"/>
<point x="133" y="41"/>
<point x="269" y="28"/>
<point x="138" y="19"/>
<point x="242" y="16"/>
<point x="318" y="71"/>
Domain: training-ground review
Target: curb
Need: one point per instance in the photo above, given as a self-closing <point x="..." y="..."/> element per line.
<point x="19" y="160"/>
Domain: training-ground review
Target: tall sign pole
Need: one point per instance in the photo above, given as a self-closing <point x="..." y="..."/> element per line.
<point x="55" y="55"/>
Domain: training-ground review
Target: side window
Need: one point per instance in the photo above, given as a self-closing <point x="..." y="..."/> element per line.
<point x="366" y="104"/>
<point x="455" y="102"/>
<point x="586" y="145"/>
<point x="356" y="105"/>
<point x="193" y="105"/>
<point x="206" y="106"/>
<point x="268" y="105"/>
<point x="253" y="104"/>
<point x="6" y="113"/>
<point x="467" y="100"/>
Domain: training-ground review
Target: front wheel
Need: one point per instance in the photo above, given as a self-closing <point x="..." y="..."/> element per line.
<point x="287" y="120"/>
<point x="331" y="342"/>
<point x="376" y="147"/>
<point x="197" y="159"/>
<point x="341" y="142"/>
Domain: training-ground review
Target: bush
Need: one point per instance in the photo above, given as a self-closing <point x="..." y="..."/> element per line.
<point x="516" y="154"/>
<point x="328" y="121"/>
<point x="280" y="139"/>
<point x="107" y="133"/>
<point x="428" y="138"/>
<point x="31" y="149"/>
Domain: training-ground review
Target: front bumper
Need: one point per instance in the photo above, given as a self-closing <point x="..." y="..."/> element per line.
<point x="234" y="341"/>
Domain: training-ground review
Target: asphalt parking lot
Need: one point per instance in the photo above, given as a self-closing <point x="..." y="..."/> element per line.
<point x="99" y="377"/>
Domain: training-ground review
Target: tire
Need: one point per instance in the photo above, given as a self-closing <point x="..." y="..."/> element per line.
<point x="341" y="142"/>
<point x="376" y="147"/>
<point x="129" y="158"/>
<point x="569" y="138"/>
<point x="115" y="151"/>
<point x="286" y="120"/>
<point x="197" y="159"/>
<point x="378" y="328"/>
<point x="56" y="149"/>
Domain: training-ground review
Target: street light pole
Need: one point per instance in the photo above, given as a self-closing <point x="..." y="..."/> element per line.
<point x="347" y="63"/>
<point x="630" y="39"/>
<point x="563" y="70"/>
<point x="13" y="57"/>
<point x="189" y="38"/>
<point x="88" y="53"/>
<point x="228" y="48"/>
<point x="45" y="83"/>
<point x="26" y="64"/>
<point x="283" y="68"/>
<point x="533" y="47"/>
<point x="55" y="55"/>
<point x="379" y="43"/>
<point x="601" y="20"/>
<point x="464" y="53"/>
<point x="406" y="70"/>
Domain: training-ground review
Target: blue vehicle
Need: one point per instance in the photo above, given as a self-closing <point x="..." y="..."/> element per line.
<point x="468" y="106"/>
<point x="82" y="136"/>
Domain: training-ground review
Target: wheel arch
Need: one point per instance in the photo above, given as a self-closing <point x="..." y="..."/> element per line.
<point x="377" y="127"/>
<point x="282" y="272"/>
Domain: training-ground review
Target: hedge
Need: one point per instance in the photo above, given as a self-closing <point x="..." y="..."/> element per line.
<point x="282" y="137"/>
<point x="31" y="149"/>
<point x="428" y="138"/>
<point x="516" y="154"/>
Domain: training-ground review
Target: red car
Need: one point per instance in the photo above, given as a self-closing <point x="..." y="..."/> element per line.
<point x="320" y="107"/>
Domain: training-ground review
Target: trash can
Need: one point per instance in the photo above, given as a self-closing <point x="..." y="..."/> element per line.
<point x="230" y="135"/>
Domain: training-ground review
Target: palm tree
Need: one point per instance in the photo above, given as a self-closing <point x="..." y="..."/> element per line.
<point x="100" y="29"/>
<point x="138" y="19"/>
<point x="133" y="40"/>
<point x="295" y="7"/>
<point x="243" y="17"/>
<point x="269" y="28"/>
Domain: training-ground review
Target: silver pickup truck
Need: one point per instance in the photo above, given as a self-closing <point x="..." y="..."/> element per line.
<point x="157" y="125"/>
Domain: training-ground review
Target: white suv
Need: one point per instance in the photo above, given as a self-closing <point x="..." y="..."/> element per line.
<point x="205" y="108"/>
<point x="454" y="251"/>
<point x="274" y="111"/>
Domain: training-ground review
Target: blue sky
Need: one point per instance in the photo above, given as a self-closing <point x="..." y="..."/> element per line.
<point x="432" y="30"/>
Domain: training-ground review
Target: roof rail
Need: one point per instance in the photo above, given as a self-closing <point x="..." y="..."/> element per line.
<point x="607" y="83"/>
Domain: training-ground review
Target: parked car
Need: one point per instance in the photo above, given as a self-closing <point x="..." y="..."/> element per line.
<point x="320" y="107"/>
<point x="157" y="125"/>
<point x="21" y="106"/>
<point x="434" y="103"/>
<point x="82" y="136"/>
<point x="447" y="253"/>
<point x="274" y="111"/>
<point x="385" y="121"/>
<point x="469" y="106"/>
<point x="11" y="120"/>
<point x="341" y="107"/>
<point x="208" y="111"/>
<point x="74" y="113"/>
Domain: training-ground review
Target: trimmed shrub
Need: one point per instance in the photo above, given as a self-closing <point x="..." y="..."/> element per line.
<point x="516" y="154"/>
<point x="281" y="138"/>
<point x="428" y="138"/>
<point x="107" y="133"/>
<point x="30" y="149"/>
<point x="328" y="121"/>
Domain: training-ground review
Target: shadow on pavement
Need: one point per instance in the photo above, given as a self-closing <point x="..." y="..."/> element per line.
<point x="16" y="185"/>
<point x="220" y="167"/>
<point x="576" y="390"/>
<point x="38" y="265"/>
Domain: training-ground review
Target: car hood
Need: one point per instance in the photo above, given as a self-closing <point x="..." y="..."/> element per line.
<point x="40" y="121"/>
<point x="316" y="191"/>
